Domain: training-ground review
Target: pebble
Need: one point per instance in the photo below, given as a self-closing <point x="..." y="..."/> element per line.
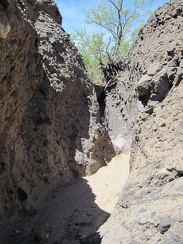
<point x="142" y="221"/>
<point x="142" y="210"/>
<point x="164" y="225"/>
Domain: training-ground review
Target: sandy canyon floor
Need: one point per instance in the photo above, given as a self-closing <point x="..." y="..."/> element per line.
<point x="75" y="212"/>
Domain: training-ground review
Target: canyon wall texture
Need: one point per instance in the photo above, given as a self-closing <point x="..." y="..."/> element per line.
<point x="150" y="207"/>
<point x="49" y="121"/>
<point x="50" y="131"/>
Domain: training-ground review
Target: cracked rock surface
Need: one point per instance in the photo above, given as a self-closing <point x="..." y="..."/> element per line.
<point x="149" y="209"/>
<point x="50" y="129"/>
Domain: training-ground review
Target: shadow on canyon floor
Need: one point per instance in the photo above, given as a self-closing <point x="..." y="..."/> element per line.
<point x="70" y="216"/>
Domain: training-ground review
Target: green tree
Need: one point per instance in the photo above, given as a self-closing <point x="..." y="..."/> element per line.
<point x="116" y="23"/>
<point x="92" y="49"/>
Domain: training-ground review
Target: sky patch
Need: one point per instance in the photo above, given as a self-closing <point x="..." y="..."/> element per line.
<point x="73" y="13"/>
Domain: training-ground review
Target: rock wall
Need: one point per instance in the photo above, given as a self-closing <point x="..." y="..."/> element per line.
<point x="49" y="130"/>
<point x="150" y="207"/>
<point x="120" y="111"/>
<point x="148" y="73"/>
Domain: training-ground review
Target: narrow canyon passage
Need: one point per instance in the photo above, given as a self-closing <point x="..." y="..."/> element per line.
<point x="108" y="182"/>
<point x="76" y="211"/>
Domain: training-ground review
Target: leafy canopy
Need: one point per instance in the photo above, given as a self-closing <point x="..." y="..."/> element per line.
<point x="117" y="24"/>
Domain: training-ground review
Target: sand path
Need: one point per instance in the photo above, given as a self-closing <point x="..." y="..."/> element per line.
<point x="108" y="182"/>
<point x="75" y="212"/>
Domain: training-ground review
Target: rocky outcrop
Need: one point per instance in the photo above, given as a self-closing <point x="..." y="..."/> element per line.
<point x="153" y="67"/>
<point x="150" y="207"/>
<point x="120" y="109"/>
<point x="49" y="130"/>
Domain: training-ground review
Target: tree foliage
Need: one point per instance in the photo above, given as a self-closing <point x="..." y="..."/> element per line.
<point x="116" y="24"/>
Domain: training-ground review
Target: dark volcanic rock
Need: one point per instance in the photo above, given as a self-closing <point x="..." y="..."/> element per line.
<point x="49" y="130"/>
<point x="149" y="73"/>
<point x="149" y="84"/>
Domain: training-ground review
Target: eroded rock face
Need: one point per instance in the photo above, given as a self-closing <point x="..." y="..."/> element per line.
<point x="120" y="110"/>
<point x="150" y="207"/>
<point x="50" y="130"/>
<point x="154" y="66"/>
